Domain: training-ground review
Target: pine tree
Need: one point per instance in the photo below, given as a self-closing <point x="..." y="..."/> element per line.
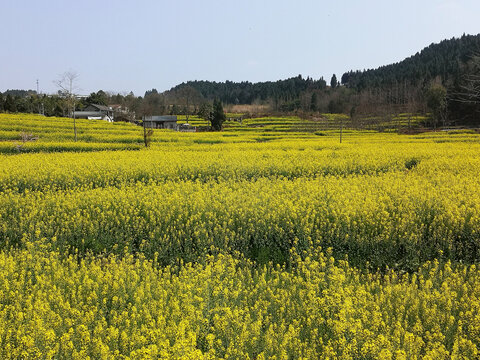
<point x="218" y="116"/>
<point x="334" y="81"/>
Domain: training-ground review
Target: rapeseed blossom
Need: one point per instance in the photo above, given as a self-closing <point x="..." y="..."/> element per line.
<point x="210" y="245"/>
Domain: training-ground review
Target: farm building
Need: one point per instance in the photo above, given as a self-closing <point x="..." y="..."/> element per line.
<point x="161" y="122"/>
<point x="95" y="111"/>
<point x="187" y="128"/>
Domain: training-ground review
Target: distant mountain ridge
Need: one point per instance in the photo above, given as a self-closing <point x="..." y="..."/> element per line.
<point x="246" y="92"/>
<point x="445" y="60"/>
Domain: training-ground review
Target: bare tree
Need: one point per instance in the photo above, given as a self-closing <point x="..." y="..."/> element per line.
<point x="470" y="88"/>
<point x="187" y="97"/>
<point x="147" y="108"/>
<point x="66" y="83"/>
<point x="464" y="96"/>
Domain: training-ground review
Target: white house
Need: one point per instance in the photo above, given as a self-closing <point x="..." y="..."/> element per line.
<point x="95" y="111"/>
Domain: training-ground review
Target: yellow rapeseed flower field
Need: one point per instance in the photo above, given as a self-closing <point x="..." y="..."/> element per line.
<point x="247" y="244"/>
<point x="224" y="306"/>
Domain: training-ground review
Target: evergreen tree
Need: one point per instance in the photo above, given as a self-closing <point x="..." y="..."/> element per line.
<point x="1" y="102"/>
<point x="437" y="102"/>
<point x="10" y="105"/>
<point x="99" y="98"/>
<point x="174" y="110"/>
<point x="205" y="111"/>
<point x="149" y="92"/>
<point x="334" y="81"/>
<point x="313" y="102"/>
<point x="58" y="111"/>
<point x="21" y="104"/>
<point x="218" y="116"/>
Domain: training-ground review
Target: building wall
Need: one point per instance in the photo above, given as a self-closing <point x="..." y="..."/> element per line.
<point x="161" y="124"/>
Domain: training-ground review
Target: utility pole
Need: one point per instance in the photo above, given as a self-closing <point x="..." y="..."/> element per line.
<point x="144" y="131"/>
<point x="38" y="96"/>
<point x="41" y="108"/>
<point x="72" y="95"/>
<point x="341" y="129"/>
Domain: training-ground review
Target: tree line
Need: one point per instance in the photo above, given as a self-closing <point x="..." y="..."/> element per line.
<point x="29" y="101"/>
<point x="442" y="79"/>
<point x="449" y="69"/>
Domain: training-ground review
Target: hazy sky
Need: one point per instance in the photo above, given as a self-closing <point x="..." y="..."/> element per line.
<point x="137" y="45"/>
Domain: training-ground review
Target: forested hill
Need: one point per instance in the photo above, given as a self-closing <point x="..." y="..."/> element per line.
<point x="446" y="60"/>
<point x="442" y="80"/>
<point x="246" y="92"/>
<point x="451" y="67"/>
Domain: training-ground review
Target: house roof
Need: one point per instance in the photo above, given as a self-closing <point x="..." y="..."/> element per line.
<point x="100" y="107"/>
<point x="88" y="113"/>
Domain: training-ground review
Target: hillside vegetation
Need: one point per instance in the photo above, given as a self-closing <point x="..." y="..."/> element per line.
<point x="440" y="80"/>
